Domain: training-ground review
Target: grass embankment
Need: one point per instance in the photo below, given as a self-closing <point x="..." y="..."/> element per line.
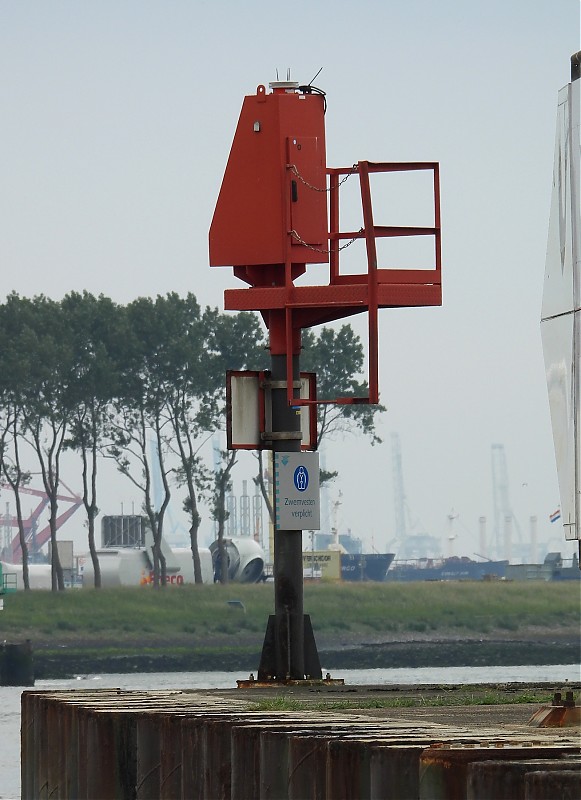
<point x="198" y="621"/>
<point x="192" y="612"/>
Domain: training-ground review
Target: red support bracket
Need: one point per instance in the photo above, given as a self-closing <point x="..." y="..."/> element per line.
<point x="347" y="294"/>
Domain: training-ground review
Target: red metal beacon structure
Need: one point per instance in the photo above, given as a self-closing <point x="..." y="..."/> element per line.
<point x="278" y="211"/>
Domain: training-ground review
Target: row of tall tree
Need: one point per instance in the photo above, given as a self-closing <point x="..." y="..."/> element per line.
<point x="106" y="380"/>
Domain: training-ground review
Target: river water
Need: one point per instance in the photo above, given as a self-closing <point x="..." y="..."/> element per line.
<point x="10" y="696"/>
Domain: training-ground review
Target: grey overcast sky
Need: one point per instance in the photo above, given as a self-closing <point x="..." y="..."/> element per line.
<point x="116" y="123"/>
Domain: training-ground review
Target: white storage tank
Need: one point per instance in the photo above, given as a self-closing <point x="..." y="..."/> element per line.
<point x="39" y="575"/>
<point x="133" y="567"/>
<point x="245" y="559"/>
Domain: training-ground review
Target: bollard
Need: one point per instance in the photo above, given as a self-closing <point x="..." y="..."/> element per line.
<point x="560" y="714"/>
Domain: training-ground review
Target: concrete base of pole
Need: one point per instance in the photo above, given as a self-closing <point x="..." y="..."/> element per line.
<point x="267" y="670"/>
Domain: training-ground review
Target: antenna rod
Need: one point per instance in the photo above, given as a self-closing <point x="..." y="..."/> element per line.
<point x="316" y="76"/>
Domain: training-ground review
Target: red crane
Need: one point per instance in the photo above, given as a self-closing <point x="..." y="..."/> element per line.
<point x="32" y="535"/>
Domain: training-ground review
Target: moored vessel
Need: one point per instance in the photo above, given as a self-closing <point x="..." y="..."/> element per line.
<point x="454" y="568"/>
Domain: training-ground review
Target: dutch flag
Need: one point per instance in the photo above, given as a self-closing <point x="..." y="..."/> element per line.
<point x="555" y="515"/>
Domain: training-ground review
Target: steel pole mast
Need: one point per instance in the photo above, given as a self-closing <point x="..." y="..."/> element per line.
<point x="277" y="212"/>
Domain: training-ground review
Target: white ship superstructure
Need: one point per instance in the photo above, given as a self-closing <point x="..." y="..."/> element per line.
<point x="561" y="308"/>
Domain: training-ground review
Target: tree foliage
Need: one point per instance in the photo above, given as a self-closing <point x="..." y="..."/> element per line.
<point x="143" y="384"/>
<point x="12" y="403"/>
<point x="47" y="381"/>
<point x="337" y="358"/>
<point x="96" y="329"/>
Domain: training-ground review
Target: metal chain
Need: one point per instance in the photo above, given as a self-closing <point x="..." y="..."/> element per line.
<point x="325" y="252"/>
<point x="296" y="236"/>
<point x="295" y="172"/>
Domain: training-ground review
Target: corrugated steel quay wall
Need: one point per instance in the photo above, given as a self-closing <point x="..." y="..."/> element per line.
<point x="204" y="746"/>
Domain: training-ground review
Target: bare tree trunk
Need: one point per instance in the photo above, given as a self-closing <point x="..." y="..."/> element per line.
<point x="135" y="431"/>
<point x="165" y="501"/>
<point x="155" y="517"/>
<point x="90" y="499"/>
<point x="223" y="575"/>
<point x="194" y="528"/>
<point x="222" y="483"/>
<point x="16" y="478"/>
<point x="22" y="538"/>
<point x="156" y="523"/>
<point x="49" y="461"/>
<point x="187" y="457"/>
<point x="15" y="484"/>
<point x="222" y="554"/>
<point x="56" y="570"/>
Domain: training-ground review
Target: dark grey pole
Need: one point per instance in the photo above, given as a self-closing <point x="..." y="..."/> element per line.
<point x="288" y="549"/>
<point x="575" y="75"/>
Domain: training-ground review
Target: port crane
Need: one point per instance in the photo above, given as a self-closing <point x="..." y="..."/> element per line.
<point x="35" y="539"/>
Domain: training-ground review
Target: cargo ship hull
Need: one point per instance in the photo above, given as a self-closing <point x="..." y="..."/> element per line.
<point x="365" y="566"/>
<point x="448" y="569"/>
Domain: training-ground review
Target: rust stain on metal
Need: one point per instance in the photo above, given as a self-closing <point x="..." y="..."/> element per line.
<point x="560" y="714"/>
<point x="204" y="744"/>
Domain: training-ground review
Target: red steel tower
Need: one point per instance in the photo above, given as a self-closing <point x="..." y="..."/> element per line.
<point x="279" y="210"/>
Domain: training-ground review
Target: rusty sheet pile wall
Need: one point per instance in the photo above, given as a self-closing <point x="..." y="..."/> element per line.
<point x="166" y="744"/>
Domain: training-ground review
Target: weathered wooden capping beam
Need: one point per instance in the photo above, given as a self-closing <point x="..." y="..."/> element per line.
<point x="200" y="746"/>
